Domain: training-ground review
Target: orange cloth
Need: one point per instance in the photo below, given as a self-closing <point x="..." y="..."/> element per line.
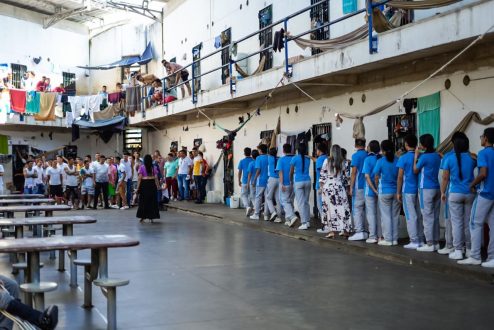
<point x="46" y="107"/>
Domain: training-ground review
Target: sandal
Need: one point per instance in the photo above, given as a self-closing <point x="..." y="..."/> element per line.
<point x="141" y="221"/>
<point x="330" y="235"/>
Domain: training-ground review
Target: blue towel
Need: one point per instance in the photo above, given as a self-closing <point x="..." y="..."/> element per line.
<point x="217" y="42"/>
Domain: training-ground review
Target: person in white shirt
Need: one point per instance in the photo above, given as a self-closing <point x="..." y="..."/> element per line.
<point x="184" y="171"/>
<point x="55" y="180"/>
<point x="87" y="185"/>
<point x="39" y="185"/>
<point x="137" y="162"/>
<point x="121" y="185"/>
<point x="101" y="180"/>
<point x="127" y="162"/>
<point x="2" y="171"/>
<point x="29" y="176"/>
<point x="71" y="175"/>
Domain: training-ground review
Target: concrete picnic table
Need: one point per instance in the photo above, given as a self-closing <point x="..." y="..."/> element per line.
<point x="67" y="223"/>
<point x="99" y="245"/>
<point x="31" y="201"/>
<point x="12" y="196"/>
<point x="48" y="209"/>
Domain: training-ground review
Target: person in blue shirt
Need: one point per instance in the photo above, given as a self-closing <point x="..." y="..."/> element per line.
<point x="448" y="231"/>
<point x="385" y="176"/>
<point x="322" y="150"/>
<point x="286" y="188"/>
<point x="458" y="173"/>
<point x="484" y="203"/>
<point x="299" y="176"/>
<point x="357" y="182"/>
<point x="251" y="179"/>
<point x="427" y="164"/>
<point x="373" y="221"/>
<point x="272" y="190"/>
<point x="406" y="192"/>
<point x="260" y="181"/>
<point x="243" y="180"/>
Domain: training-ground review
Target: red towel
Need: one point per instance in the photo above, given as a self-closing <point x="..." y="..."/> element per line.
<point x="18" y="100"/>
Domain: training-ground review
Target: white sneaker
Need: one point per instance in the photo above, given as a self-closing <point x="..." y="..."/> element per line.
<point x="304" y="226"/>
<point x="247" y="211"/>
<point x="445" y="250"/>
<point x="470" y="261"/>
<point x="323" y="231"/>
<point x="467" y="253"/>
<point x="456" y="255"/>
<point x="266" y="218"/>
<point x="436" y="247"/>
<point x="278" y="220"/>
<point x="293" y="221"/>
<point x="273" y="216"/>
<point x="371" y="241"/>
<point x="254" y="217"/>
<point x="287" y="223"/>
<point x="124" y="207"/>
<point x="395" y="242"/>
<point x="412" y="246"/>
<point x="358" y="237"/>
<point x="426" y="248"/>
<point x="385" y="243"/>
<point x="114" y="206"/>
<point x="488" y="264"/>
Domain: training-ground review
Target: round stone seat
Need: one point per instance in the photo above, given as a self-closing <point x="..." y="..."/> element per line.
<point x="40" y="287"/>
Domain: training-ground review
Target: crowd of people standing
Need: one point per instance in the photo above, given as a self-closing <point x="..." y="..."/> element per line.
<point x="361" y="199"/>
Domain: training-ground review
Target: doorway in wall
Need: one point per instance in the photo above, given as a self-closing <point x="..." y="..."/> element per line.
<point x="266" y="36"/>
<point x="226" y="37"/>
<point x="196" y="55"/>
<point x="322" y="135"/>
<point x="20" y="156"/>
<point x="319" y="15"/>
<point x="400" y="126"/>
<point x="228" y="175"/>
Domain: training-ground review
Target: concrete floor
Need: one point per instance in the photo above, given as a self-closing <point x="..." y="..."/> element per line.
<point x="192" y="273"/>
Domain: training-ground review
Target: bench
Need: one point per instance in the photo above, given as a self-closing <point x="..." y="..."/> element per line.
<point x="109" y="288"/>
<point x="38" y="290"/>
<point x="88" y="280"/>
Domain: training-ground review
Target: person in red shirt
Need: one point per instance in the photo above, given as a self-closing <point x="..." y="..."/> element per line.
<point x="59" y="89"/>
<point x="41" y="85"/>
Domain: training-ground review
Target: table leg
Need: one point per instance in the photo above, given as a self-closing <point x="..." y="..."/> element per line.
<point x="19" y="233"/>
<point x="111" y="308"/>
<point x="68" y="230"/>
<point x="34" y="273"/>
<point x="103" y="263"/>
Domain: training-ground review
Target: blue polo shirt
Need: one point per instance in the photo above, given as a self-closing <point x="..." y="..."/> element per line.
<point x="368" y="168"/>
<point x="388" y="175"/>
<point x="272" y="162"/>
<point x="443" y="160"/>
<point x="405" y="162"/>
<point x="244" y="166"/>
<point x="252" y="171"/>
<point x="301" y="175"/>
<point x="319" y="162"/>
<point x="284" y="166"/>
<point x="428" y="164"/>
<point x="262" y="164"/>
<point x="358" y="162"/>
<point x="486" y="159"/>
<point x="468" y="164"/>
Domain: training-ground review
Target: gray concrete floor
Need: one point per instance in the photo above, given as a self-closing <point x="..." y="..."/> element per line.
<point x="193" y="273"/>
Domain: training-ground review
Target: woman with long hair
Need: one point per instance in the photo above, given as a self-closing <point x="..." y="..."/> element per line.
<point x="385" y="177"/>
<point x="147" y="188"/>
<point x="458" y="172"/>
<point x="299" y="176"/>
<point x="336" y="215"/>
<point x="427" y="164"/>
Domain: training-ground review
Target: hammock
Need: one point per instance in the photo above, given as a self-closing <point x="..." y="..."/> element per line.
<point x="21" y="324"/>
<point x="259" y="69"/>
<point x="420" y="4"/>
<point x="382" y="24"/>
<point x="358" y="34"/>
<point x="447" y="145"/>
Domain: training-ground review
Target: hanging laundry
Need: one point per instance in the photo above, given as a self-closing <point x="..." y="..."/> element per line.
<point x="18" y="100"/>
<point x="46" y="107"/>
<point x="217" y="42"/>
<point x="133" y="98"/>
<point x="4" y="105"/>
<point x="75" y="132"/>
<point x="75" y="106"/>
<point x="278" y="41"/>
<point x="409" y="105"/>
<point x="32" y="102"/>
<point x="69" y="119"/>
<point x="114" y="97"/>
<point x="359" y="128"/>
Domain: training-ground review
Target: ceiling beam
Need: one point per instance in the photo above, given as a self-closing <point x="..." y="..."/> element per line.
<point x="60" y="16"/>
<point x="142" y="10"/>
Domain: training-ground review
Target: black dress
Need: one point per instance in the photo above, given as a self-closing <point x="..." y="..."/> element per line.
<point x="148" y="199"/>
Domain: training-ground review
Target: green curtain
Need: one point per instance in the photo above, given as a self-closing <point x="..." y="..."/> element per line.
<point x="429" y="116"/>
<point x="4" y="145"/>
<point x="349" y="6"/>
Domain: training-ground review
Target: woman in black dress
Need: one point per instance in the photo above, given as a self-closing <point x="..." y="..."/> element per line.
<point x="147" y="188"/>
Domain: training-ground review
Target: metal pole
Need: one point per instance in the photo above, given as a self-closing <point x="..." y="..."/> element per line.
<point x="111" y="312"/>
<point x="230" y="74"/>
<point x="69" y="231"/>
<point x="370" y="24"/>
<point x="285" y="24"/>
<point x="194" y="101"/>
<point x="103" y="263"/>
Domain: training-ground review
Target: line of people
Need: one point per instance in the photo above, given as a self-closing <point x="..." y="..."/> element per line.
<point x="362" y="199"/>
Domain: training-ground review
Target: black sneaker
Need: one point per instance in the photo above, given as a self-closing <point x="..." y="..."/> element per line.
<point x="49" y="319"/>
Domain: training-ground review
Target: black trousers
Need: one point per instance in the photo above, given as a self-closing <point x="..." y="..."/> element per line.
<point x="101" y="186"/>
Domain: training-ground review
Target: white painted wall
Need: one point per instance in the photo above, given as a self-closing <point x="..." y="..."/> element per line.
<point x="125" y="40"/>
<point x="22" y="40"/>
<point x="476" y="97"/>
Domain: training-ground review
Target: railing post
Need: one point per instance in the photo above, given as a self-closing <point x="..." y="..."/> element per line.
<point x="288" y="67"/>
<point x="193" y="80"/>
<point x="233" y="87"/>
<point x="372" y="39"/>
<point x="164" y="95"/>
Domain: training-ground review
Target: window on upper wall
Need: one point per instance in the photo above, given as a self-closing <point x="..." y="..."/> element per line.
<point x="266" y="36"/>
<point x="196" y="54"/>
<point x="18" y="71"/>
<point x="132" y="139"/>
<point x="68" y="81"/>
<point x="226" y="38"/>
<point x="133" y="68"/>
<point x="319" y="16"/>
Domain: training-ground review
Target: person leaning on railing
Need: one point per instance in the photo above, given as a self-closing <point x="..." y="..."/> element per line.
<point x="180" y="73"/>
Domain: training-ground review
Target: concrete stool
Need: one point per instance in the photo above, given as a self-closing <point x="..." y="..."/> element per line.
<point x="22" y="266"/>
<point x="88" y="287"/>
<point x="38" y="291"/>
<point x="109" y="289"/>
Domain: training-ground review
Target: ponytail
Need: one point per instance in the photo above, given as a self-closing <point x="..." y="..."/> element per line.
<point x="302" y="151"/>
<point x="461" y="145"/>
<point x="458" y="159"/>
<point x="388" y="149"/>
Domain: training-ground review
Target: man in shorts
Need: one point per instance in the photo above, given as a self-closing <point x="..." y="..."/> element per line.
<point x="71" y="183"/>
<point x="87" y="185"/>
<point x="180" y="73"/>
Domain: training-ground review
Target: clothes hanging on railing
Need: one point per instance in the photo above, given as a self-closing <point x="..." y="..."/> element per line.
<point x="32" y="102"/>
<point x="278" y="41"/>
<point x="114" y="97"/>
<point x="382" y="24"/>
<point x="133" y="99"/>
<point x="47" y="104"/>
<point x="358" y="34"/>
<point x="420" y="4"/>
<point x="259" y="69"/>
<point x="18" y="100"/>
